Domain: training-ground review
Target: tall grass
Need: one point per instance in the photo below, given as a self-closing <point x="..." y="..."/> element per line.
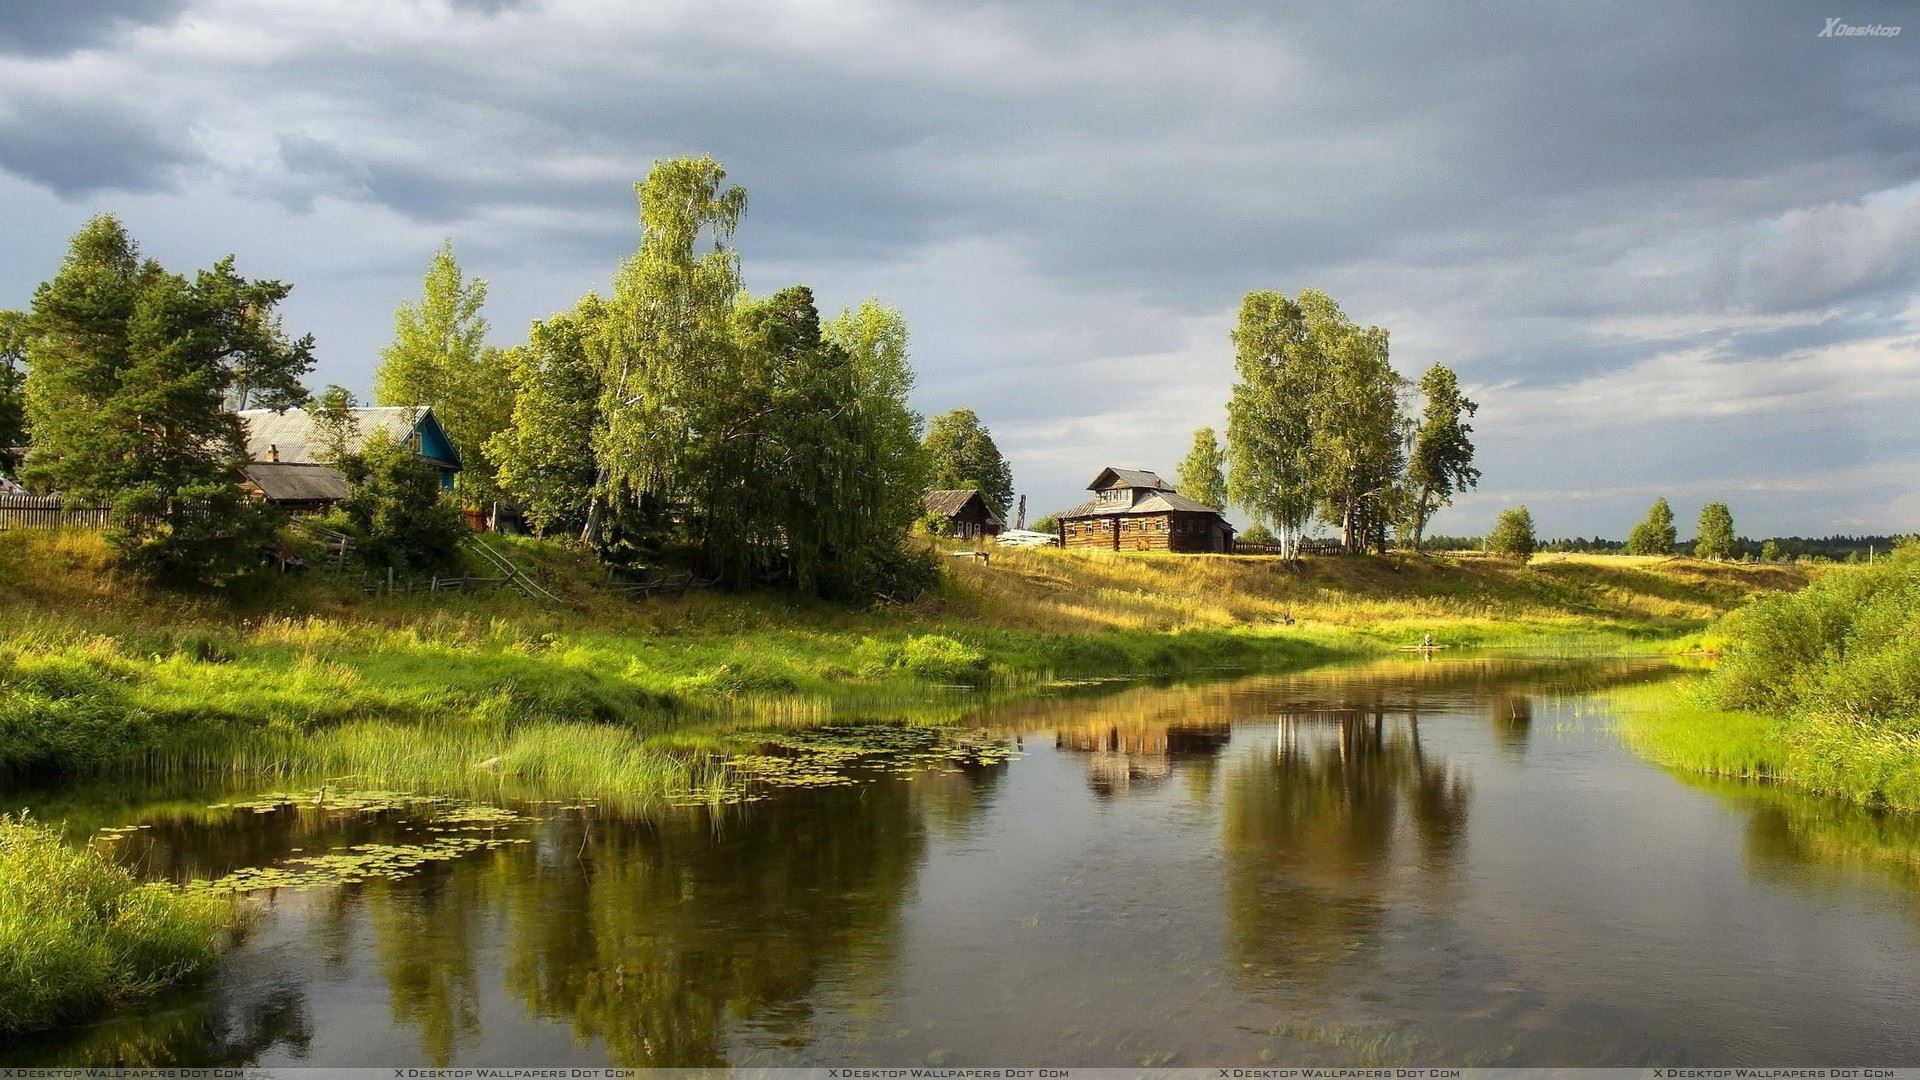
<point x="78" y="933"/>
<point x="1819" y="688"/>
<point x="98" y="676"/>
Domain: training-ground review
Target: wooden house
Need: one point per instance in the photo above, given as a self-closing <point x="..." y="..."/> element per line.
<point x="965" y="512"/>
<point x="281" y="449"/>
<point x="1135" y="510"/>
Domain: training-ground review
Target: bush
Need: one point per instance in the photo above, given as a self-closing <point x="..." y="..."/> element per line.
<point x="78" y="933"/>
<point x="1512" y="536"/>
<point x="394" y="509"/>
<point x="201" y="535"/>
<point x="1257" y="533"/>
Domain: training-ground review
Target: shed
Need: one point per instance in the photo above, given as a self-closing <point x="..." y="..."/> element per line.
<point x="965" y="512"/>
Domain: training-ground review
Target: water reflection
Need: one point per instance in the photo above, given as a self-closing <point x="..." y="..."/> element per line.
<point x="1193" y="872"/>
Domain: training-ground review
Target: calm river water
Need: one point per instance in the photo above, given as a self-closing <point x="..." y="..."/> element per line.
<point x="1451" y="862"/>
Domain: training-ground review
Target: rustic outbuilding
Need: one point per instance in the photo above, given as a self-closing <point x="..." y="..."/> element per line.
<point x="1135" y="510"/>
<point x="965" y="512"/>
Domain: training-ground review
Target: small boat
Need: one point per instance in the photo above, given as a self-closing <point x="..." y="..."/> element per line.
<point x="1423" y="648"/>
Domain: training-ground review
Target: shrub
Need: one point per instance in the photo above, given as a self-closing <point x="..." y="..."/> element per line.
<point x="78" y="933"/>
<point x="1512" y="536"/>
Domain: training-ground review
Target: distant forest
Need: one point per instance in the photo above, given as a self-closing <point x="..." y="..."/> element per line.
<point x="1833" y="548"/>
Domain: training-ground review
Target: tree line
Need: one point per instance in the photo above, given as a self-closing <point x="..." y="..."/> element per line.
<point x="678" y="416"/>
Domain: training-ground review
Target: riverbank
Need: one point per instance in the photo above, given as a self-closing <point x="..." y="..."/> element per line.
<point x="1818" y="689"/>
<point x="101" y="676"/>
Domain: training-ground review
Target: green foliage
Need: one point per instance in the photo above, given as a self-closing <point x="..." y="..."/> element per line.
<point x="1257" y="534"/>
<point x="336" y="426"/>
<point x="1770" y="551"/>
<point x="394" y="510"/>
<point x="78" y="933"/>
<point x="1046" y="523"/>
<point x="1202" y="473"/>
<point x="1314" y="424"/>
<point x="1714" y="537"/>
<point x="439" y="359"/>
<point x="199" y="534"/>
<point x="669" y="347"/>
<point x="13" y="382"/>
<point x="133" y="374"/>
<point x="1655" y="535"/>
<point x="1441" y="464"/>
<point x="545" y="455"/>
<point x="962" y="454"/>
<point x="1512" y="536"/>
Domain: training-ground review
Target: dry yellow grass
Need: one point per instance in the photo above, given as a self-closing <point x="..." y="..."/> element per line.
<point x="1057" y="591"/>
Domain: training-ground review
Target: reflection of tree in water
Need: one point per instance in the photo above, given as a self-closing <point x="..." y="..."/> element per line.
<point x="656" y="938"/>
<point x="423" y="932"/>
<point x="1313" y="830"/>
<point x="1512" y="716"/>
<point x="191" y="1027"/>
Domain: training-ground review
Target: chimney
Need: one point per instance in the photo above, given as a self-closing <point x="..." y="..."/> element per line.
<point x="273" y="451"/>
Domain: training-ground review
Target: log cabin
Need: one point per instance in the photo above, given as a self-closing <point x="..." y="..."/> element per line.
<point x="1135" y="510"/>
<point x="965" y="513"/>
<point x="283" y="450"/>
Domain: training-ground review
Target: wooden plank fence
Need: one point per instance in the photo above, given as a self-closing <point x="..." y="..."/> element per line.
<point x="51" y="512"/>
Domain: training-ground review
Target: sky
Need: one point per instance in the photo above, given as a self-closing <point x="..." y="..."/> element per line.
<point x="1671" y="249"/>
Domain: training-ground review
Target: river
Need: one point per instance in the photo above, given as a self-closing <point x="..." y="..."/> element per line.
<point x="1450" y="862"/>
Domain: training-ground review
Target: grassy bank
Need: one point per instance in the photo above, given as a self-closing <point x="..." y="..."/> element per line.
<point x="98" y="675"/>
<point x="78" y="932"/>
<point x="1819" y="689"/>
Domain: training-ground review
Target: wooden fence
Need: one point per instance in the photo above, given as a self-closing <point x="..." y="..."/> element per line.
<point x="51" y="512"/>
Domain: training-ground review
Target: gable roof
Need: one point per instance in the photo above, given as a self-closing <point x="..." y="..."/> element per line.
<point x="1115" y="477"/>
<point x="288" y="437"/>
<point x="1160" y="502"/>
<point x="282" y="481"/>
<point x="947" y="503"/>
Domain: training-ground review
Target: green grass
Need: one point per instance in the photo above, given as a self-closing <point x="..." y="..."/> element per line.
<point x="99" y="676"/>
<point x="1819" y="689"/>
<point x="78" y="933"/>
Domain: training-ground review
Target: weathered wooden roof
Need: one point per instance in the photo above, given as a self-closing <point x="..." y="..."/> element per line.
<point x="282" y="481"/>
<point x="1160" y="502"/>
<point x="289" y="439"/>
<point x="1115" y="477"/>
<point x="947" y="503"/>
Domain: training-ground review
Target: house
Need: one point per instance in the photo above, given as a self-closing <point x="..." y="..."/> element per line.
<point x="1135" y="510"/>
<point x="281" y="448"/>
<point x="965" y="512"/>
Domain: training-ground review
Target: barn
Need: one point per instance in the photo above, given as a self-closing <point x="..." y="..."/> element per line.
<point x="1135" y="510"/>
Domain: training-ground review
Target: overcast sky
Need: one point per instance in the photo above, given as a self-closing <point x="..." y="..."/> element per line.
<point x="1671" y="248"/>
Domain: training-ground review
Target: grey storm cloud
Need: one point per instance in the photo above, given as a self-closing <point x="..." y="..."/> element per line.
<point x="1556" y="198"/>
<point x="58" y="26"/>
<point x="80" y="148"/>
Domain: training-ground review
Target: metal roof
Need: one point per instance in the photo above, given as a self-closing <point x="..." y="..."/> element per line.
<point x="287" y="438"/>
<point x="1115" y="477"/>
<point x="1160" y="502"/>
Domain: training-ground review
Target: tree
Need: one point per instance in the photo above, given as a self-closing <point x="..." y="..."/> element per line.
<point x="13" y="381"/>
<point x="1314" y="423"/>
<point x="1202" y="474"/>
<point x="336" y="427"/>
<point x="1270" y="416"/>
<point x="1714" y="537"/>
<point x="1441" y="464"/>
<point x="667" y="339"/>
<point x="1770" y="552"/>
<point x="393" y="508"/>
<point x="1512" y="536"/>
<point x="545" y="453"/>
<point x="439" y="359"/>
<point x="962" y="454"/>
<point x="1256" y="535"/>
<point x="1655" y="535"/>
<point x="131" y="372"/>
